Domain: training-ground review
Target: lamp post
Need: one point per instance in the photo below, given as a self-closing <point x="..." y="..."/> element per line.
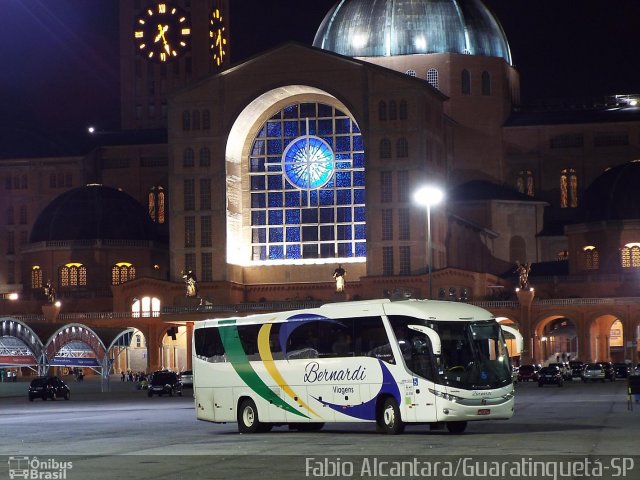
<point x="429" y="196"/>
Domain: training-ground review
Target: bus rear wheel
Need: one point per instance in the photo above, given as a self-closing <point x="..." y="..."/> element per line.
<point x="248" y="417"/>
<point x="456" y="427"/>
<point x="389" y="420"/>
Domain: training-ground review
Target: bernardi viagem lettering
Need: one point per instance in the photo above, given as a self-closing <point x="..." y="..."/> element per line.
<point x="314" y="373"/>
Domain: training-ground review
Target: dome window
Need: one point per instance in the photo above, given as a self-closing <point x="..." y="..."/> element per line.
<point x="466" y="82"/>
<point x="411" y="73"/>
<point x="36" y="277"/>
<point x="73" y="275"/>
<point x="122" y="272"/>
<point x="591" y="258"/>
<point x="568" y="188"/>
<point x="630" y="255"/>
<point x="432" y="78"/>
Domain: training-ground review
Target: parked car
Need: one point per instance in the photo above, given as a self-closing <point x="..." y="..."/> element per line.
<point x="593" y="372"/>
<point x="514" y="374"/>
<point x="609" y="371"/>
<point x="623" y="370"/>
<point x="165" y="382"/>
<point x="576" y="367"/>
<point x="564" y="368"/>
<point x="48" y="387"/>
<point x="550" y="376"/>
<point x="527" y="372"/>
<point x="186" y="378"/>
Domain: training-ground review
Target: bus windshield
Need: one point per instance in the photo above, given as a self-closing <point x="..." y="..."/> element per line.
<point x="474" y="354"/>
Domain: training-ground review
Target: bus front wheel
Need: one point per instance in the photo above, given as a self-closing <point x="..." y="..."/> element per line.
<point x="456" y="427"/>
<point x="389" y="419"/>
<point x="248" y="417"/>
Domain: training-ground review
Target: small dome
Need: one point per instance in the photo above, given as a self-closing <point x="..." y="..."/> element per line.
<point x="614" y="194"/>
<point x="90" y="213"/>
<point x="365" y="28"/>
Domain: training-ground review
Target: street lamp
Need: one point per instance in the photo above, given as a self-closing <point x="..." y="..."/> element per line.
<point x="429" y="196"/>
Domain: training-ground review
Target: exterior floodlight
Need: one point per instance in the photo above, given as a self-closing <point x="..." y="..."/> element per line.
<point x="429" y="196"/>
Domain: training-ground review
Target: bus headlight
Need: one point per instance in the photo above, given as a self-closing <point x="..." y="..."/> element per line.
<point x="446" y="396"/>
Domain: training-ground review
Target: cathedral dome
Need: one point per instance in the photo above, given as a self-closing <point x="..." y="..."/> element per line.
<point x="365" y="28"/>
<point x="614" y="194"/>
<point x="90" y="213"/>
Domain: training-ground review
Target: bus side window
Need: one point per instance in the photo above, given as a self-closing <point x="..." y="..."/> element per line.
<point x="208" y="345"/>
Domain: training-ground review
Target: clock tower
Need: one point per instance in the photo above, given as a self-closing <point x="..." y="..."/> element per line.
<point x="165" y="45"/>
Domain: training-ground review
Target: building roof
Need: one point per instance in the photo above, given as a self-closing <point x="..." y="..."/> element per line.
<point x="614" y="195"/>
<point x="93" y="212"/>
<point x="365" y="28"/>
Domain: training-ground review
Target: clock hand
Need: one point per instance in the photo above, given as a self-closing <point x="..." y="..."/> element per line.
<point x="161" y="32"/>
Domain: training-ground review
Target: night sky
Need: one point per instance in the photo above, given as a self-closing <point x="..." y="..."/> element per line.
<point x="60" y="57"/>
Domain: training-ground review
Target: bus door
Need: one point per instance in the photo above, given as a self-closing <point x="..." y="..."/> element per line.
<point x="419" y="350"/>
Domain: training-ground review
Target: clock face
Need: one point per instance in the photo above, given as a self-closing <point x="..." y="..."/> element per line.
<point x="162" y="32"/>
<point x="218" y="37"/>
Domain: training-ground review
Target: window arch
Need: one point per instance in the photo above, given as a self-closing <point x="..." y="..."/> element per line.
<point x="403" y="110"/>
<point x="205" y="157"/>
<point x="411" y="73"/>
<point x="393" y="110"/>
<point x="73" y="275"/>
<point x="432" y="78"/>
<point x="591" y="258"/>
<point x="157" y="204"/>
<point x="568" y="188"/>
<point x="466" y="82"/>
<point x="122" y="272"/>
<point x="525" y="182"/>
<point x="206" y="120"/>
<point x="188" y="157"/>
<point x="382" y="110"/>
<point x="186" y="120"/>
<point x="385" y="148"/>
<point x="10" y="215"/>
<point x="486" y="84"/>
<point x="195" y="119"/>
<point x="630" y="255"/>
<point x="306" y="174"/>
<point x="36" y="277"/>
<point x="402" y="148"/>
<point x="145" y="307"/>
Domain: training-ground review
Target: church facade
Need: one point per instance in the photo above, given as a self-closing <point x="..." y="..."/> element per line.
<point x="280" y="168"/>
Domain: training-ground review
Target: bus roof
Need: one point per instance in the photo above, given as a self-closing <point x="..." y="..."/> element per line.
<point x="426" y="309"/>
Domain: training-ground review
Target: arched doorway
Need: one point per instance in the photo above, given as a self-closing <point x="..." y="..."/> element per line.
<point x="128" y="353"/>
<point x="174" y="349"/>
<point x="556" y="340"/>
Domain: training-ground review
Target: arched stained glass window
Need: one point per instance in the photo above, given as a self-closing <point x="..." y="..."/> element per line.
<point x="591" y="258"/>
<point x="466" y="82"/>
<point x="382" y="110"/>
<point x="306" y="170"/>
<point x="385" y="148"/>
<point x="205" y="157"/>
<point x="568" y="188"/>
<point x="403" y="110"/>
<point x="36" y="277"/>
<point x="432" y="78"/>
<point x="630" y="255"/>
<point x="526" y="183"/>
<point x="157" y="204"/>
<point x="73" y="275"/>
<point x="393" y="110"/>
<point x="486" y="84"/>
<point x="402" y="148"/>
<point x="122" y="272"/>
<point x="188" y="157"/>
<point x="411" y="73"/>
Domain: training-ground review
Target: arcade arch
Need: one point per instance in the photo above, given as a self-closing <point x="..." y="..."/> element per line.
<point x="556" y="339"/>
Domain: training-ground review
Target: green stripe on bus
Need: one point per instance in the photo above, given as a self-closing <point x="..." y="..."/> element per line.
<point x="237" y="357"/>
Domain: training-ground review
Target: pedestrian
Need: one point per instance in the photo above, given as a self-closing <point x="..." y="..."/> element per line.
<point x="122" y="376"/>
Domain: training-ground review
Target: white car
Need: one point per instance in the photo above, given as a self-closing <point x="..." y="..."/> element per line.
<point x="186" y="378"/>
<point x="593" y="372"/>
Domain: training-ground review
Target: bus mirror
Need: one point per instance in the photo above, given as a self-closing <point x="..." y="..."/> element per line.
<point x="436" y="344"/>
<point x="519" y="338"/>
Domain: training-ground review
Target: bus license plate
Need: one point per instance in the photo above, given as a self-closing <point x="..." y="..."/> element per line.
<point x="484" y="411"/>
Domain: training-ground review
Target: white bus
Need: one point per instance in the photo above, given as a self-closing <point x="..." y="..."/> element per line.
<point x="392" y="363"/>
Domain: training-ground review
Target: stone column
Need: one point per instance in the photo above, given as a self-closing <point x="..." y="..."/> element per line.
<point x="525" y="298"/>
<point x="189" y="336"/>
